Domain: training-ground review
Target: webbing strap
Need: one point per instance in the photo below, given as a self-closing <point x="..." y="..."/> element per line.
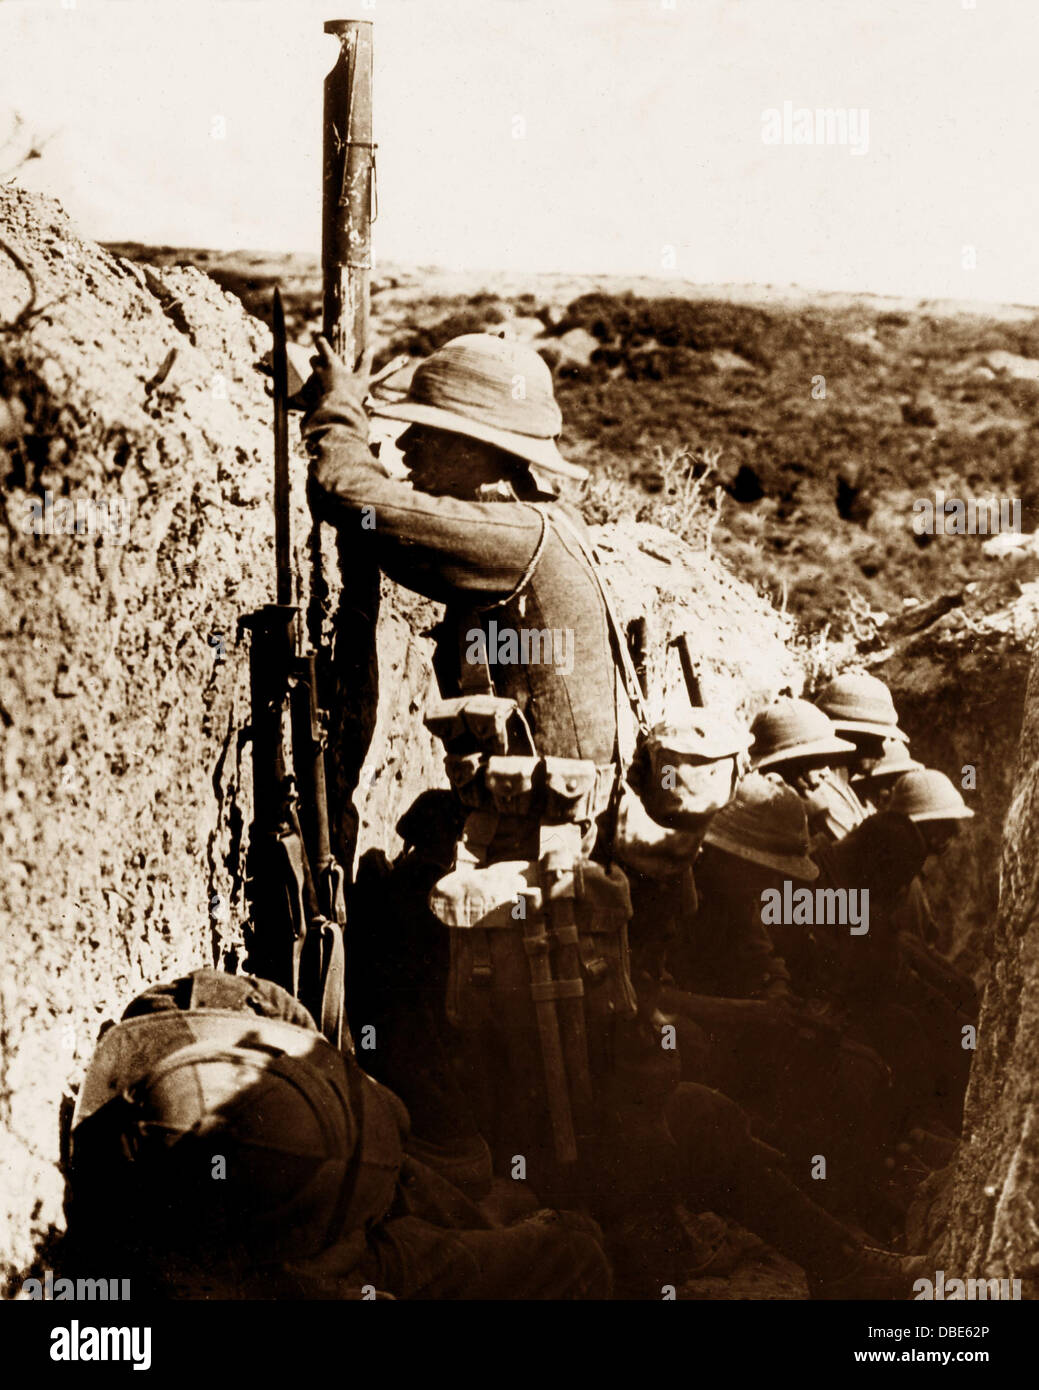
<point x="621" y="653"/>
<point x="475" y="677"/>
<point x="528" y="573"/>
<point x="558" y="989"/>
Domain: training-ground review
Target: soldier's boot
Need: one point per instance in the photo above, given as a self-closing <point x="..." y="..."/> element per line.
<point x="727" y="1171"/>
<point x="548" y="1255"/>
<point x="870" y="1273"/>
<point x="936" y="1150"/>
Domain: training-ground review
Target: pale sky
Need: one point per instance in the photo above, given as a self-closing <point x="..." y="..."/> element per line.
<point x="642" y="130"/>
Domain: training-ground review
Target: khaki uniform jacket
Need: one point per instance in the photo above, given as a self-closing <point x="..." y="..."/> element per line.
<point x="473" y="555"/>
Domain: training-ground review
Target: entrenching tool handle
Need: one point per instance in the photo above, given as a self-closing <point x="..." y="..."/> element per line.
<point x="348" y="179"/>
<point x="558" y="895"/>
<point x="536" y="944"/>
<point x="692" y="680"/>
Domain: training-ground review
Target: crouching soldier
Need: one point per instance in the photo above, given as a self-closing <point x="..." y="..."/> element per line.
<point x="894" y="992"/>
<point x="222" y="1148"/>
<point x="796" y="740"/>
<point x="862" y="711"/>
<point x="943" y="997"/>
<point x="809" y="1089"/>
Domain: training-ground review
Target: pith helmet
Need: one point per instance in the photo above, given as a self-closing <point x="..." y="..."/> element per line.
<point x="894" y="762"/>
<point x="928" y="795"/>
<point x="861" y="704"/>
<point x="491" y="389"/>
<point x="793" y="729"/>
<point x="766" y="824"/>
<point x="169" y="1094"/>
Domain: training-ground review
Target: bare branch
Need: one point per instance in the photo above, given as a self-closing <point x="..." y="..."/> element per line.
<point x="17" y="136"/>
<point x="21" y="319"/>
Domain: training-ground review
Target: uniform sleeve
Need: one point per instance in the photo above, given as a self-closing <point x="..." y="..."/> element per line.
<point x="439" y="546"/>
<point x="759" y="971"/>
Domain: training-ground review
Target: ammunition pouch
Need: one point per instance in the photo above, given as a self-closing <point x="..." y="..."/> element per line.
<point x="480" y="723"/>
<point x="480" y="734"/>
<point x="491" y="908"/>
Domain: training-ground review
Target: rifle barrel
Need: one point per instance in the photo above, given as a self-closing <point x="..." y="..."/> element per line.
<point x="282" y="540"/>
<point x="346" y="242"/>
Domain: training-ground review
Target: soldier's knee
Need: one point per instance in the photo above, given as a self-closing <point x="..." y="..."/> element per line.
<point x="863" y="1073"/>
<point x="593" y="1277"/>
<point x="707" y="1121"/>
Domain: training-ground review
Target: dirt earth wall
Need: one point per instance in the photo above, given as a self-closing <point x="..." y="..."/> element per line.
<point x="959" y="687"/>
<point x="993" y="1213"/>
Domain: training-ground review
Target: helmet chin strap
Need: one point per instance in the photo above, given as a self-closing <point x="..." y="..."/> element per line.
<point x="501" y="490"/>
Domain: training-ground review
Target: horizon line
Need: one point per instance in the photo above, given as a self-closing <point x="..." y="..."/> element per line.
<point x="432" y="268"/>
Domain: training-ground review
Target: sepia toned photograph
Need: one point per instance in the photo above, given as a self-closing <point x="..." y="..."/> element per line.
<point x="519" y="703"/>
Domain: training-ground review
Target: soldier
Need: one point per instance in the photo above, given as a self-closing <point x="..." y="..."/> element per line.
<point x="897" y="994"/>
<point x="932" y="792"/>
<point x="943" y="996"/>
<point x="751" y="845"/>
<point x="861" y="709"/>
<point x="465" y="530"/>
<point x="874" y="787"/>
<point x="796" y="739"/>
<point x="932" y="803"/>
<point x="478" y="528"/>
<point x="222" y="1148"/>
<point x="810" y="1089"/>
<point x="918" y="934"/>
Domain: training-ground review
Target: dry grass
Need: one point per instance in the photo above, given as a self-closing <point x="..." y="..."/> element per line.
<point x="683" y="495"/>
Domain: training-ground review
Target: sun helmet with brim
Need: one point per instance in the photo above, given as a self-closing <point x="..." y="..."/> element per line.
<point x="130" y="1050"/>
<point x="928" y="795"/>
<point x="794" y="730"/>
<point x="765" y="824"/>
<point x="894" y="762"/>
<point x="861" y="704"/>
<point x="168" y="1094"/>
<point x="490" y="389"/>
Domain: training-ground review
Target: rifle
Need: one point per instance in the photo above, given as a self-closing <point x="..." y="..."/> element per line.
<point x="348" y="182"/>
<point x="755" y="1020"/>
<point x="294" y="885"/>
<point x="296" y="888"/>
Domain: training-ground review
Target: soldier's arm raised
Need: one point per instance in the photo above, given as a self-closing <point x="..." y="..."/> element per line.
<point x="437" y="545"/>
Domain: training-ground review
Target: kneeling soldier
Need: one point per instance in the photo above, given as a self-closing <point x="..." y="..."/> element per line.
<point x="222" y="1148"/>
